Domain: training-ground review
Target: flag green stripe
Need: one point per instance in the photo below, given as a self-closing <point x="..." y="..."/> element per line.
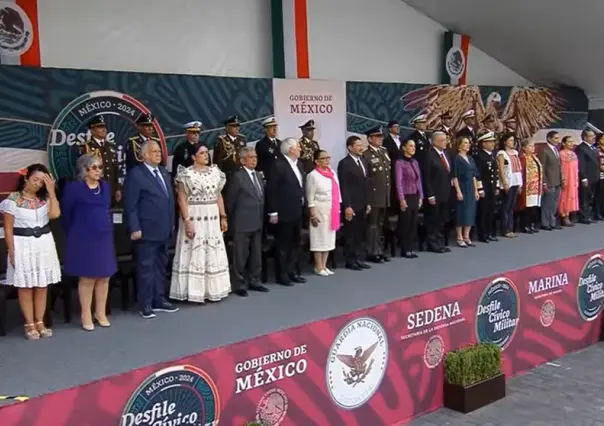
<point x="447" y="44"/>
<point x="277" y="38"/>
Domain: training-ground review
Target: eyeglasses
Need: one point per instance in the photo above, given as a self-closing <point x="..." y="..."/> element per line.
<point x="96" y="167"/>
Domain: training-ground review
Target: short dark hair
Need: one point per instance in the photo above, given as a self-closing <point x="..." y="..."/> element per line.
<point x="551" y="134"/>
<point x="504" y="137"/>
<point x="318" y="153"/>
<point x="585" y="132"/>
<point x="351" y="140"/>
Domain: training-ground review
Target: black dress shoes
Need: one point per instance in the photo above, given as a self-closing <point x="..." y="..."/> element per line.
<point x="363" y="265"/>
<point x="385" y="258"/>
<point x="410" y="255"/>
<point x="259" y="287"/>
<point x="297" y="279"/>
<point x="241" y="292"/>
<point x="353" y="267"/>
<point x="493" y="238"/>
<point x="284" y="280"/>
<point x="375" y="259"/>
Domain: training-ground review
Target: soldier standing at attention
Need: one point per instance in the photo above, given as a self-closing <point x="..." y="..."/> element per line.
<point x="184" y="152"/>
<point x="144" y="124"/>
<point x="227" y="147"/>
<point x="267" y="148"/>
<point x="98" y="146"/>
<point x="469" y="131"/>
<point x="486" y="163"/>
<point x="378" y="193"/>
<point x="308" y="146"/>
<point x="446" y="126"/>
<point x="420" y="137"/>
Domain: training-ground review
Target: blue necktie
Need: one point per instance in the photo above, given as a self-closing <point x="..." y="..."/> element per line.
<point x="160" y="181"/>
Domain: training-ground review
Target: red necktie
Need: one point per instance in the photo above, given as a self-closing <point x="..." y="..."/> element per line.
<point x="444" y="161"/>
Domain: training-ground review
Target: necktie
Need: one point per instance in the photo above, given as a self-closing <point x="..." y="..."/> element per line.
<point x="160" y="181"/>
<point x="361" y="166"/>
<point x="444" y="161"/>
<point x="257" y="183"/>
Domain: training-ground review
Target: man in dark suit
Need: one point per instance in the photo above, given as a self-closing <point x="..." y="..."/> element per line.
<point x="267" y="148"/>
<point x="392" y="143"/>
<point x="245" y="207"/>
<point x="285" y="193"/>
<point x="589" y="174"/>
<point x="420" y="137"/>
<point x="149" y="213"/>
<point x="378" y="193"/>
<point x="469" y="130"/>
<point x="552" y="181"/>
<point x="436" y="179"/>
<point x="184" y="152"/>
<point x="487" y="169"/>
<point x="352" y="175"/>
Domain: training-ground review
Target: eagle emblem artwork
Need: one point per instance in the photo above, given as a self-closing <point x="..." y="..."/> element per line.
<point x="358" y="366"/>
<point x="533" y="108"/>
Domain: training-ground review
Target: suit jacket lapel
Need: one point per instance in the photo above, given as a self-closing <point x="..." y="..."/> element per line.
<point x="153" y="181"/>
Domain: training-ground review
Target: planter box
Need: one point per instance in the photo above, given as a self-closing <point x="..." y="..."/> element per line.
<point x="602" y="331"/>
<point x="473" y="397"/>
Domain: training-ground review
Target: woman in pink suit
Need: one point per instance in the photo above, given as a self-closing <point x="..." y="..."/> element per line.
<point x="569" y="195"/>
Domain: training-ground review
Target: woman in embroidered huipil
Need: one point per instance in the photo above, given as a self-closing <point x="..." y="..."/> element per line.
<point x="408" y="183"/>
<point x="510" y="178"/>
<point x="33" y="263"/>
<point x="200" y="270"/>
<point x="529" y="200"/>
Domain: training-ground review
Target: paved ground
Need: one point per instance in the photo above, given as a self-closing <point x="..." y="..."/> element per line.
<point x="565" y="392"/>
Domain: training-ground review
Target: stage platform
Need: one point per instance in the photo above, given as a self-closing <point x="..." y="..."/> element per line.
<point x="74" y="357"/>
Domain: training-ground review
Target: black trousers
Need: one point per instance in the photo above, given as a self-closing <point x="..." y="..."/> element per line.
<point x="485" y="225"/>
<point x="287" y="238"/>
<point x="586" y="200"/>
<point x="408" y="223"/>
<point x="354" y="232"/>
<point x="247" y="259"/>
<point x="435" y="218"/>
<point x="529" y="217"/>
<point x="375" y="231"/>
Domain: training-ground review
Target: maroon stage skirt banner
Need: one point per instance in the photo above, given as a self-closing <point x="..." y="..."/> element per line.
<point x="376" y="366"/>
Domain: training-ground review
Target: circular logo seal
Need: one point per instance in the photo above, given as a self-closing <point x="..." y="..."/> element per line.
<point x="16" y="30"/>
<point x="182" y="394"/>
<point x="357" y="363"/>
<point x="590" y="291"/>
<point x="70" y="127"/>
<point x="548" y="313"/>
<point x="272" y="407"/>
<point x="455" y="62"/>
<point x="434" y="351"/>
<point x="498" y="313"/>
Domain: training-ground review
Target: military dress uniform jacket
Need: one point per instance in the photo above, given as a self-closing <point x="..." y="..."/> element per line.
<point x="487" y="169"/>
<point x="267" y="152"/>
<point x="107" y="153"/>
<point x="422" y="144"/>
<point x="183" y="156"/>
<point x="133" y="151"/>
<point x="307" y="152"/>
<point x="226" y="152"/>
<point x="378" y="177"/>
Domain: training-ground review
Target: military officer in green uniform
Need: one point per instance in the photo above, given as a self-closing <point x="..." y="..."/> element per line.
<point x="378" y="193"/>
<point x="308" y="146"/>
<point x="227" y="147"/>
<point x="144" y="124"/>
<point x="184" y="152"/>
<point x="98" y="146"/>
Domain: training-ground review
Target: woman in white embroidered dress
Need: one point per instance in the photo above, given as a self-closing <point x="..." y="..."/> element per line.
<point x="33" y="263"/>
<point x="200" y="270"/>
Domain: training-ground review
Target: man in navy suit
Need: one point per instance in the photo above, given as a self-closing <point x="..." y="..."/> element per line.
<point x="149" y="213"/>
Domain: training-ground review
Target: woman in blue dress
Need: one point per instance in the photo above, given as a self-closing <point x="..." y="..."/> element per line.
<point x="467" y="192"/>
<point x="89" y="249"/>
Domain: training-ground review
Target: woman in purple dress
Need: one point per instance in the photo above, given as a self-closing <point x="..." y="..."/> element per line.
<point x="89" y="250"/>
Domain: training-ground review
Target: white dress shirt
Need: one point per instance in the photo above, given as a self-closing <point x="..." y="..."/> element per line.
<point x="359" y="163"/>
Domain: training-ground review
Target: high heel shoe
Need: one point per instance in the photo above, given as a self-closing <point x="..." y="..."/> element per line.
<point x="103" y="322"/>
<point x="44" y="332"/>
<point x="31" y="333"/>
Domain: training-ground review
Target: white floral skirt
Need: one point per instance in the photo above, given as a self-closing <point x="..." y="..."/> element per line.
<point x="200" y="270"/>
<point x="36" y="262"/>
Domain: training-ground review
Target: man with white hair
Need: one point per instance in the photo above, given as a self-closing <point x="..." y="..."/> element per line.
<point x="149" y="216"/>
<point x="436" y="179"/>
<point x="285" y="203"/>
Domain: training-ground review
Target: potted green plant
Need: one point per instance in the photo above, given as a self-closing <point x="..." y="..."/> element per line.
<point x="473" y="377"/>
<point x="256" y="423"/>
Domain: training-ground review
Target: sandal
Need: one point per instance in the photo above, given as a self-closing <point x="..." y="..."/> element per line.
<point x="461" y="243"/>
<point x="469" y="243"/>
<point x="42" y="330"/>
<point x="31" y="333"/>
